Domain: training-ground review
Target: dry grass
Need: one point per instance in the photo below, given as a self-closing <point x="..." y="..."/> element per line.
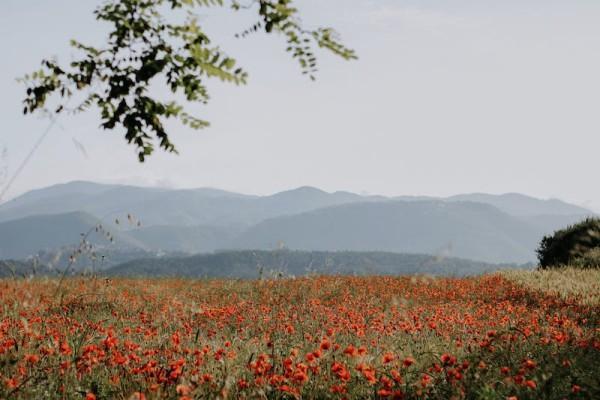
<point x="582" y="285"/>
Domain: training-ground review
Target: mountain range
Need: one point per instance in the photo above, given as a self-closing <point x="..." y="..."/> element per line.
<point x="483" y="227"/>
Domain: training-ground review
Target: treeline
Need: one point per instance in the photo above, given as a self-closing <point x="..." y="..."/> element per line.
<point x="263" y="263"/>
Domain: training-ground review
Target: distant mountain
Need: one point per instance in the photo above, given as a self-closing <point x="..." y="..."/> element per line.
<point x="75" y="189"/>
<point x="521" y="205"/>
<point x="305" y="198"/>
<point x="188" y="239"/>
<point x="494" y="228"/>
<point x="256" y="263"/>
<point x="27" y="236"/>
<point x="20" y="269"/>
<point x="99" y="200"/>
<point x="461" y="229"/>
<point x="215" y="207"/>
<point x="190" y="207"/>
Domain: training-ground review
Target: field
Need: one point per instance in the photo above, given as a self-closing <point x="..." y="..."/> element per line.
<point x="581" y="285"/>
<point x="501" y="336"/>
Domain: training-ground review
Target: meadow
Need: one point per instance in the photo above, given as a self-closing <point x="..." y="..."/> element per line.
<point x="496" y="336"/>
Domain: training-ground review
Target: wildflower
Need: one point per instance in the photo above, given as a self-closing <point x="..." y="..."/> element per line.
<point x="65" y="349"/>
<point x="183" y="390"/>
<point x="351" y="351"/>
<point x="530" y="384"/>
<point x="288" y="389"/>
<point x="447" y="359"/>
<point x="300" y="373"/>
<point x="32" y="358"/>
<point x="425" y="380"/>
<point x="518" y="379"/>
<point x="408" y="361"/>
<point x="341" y="389"/>
<point x="529" y="364"/>
<point x="368" y="372"/>
<point x="110" y="341"/>
<point x="12" y="383"/>
<point x="388" y="357"/>
<point x="300" y="377"/>
<point x="175" y="339"/>
<point x="340" y="371"/>
<point x="396" y="376"/>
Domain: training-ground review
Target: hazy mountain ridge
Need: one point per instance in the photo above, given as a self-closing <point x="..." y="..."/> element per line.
<point x="19" y="268"/>
<point x="521" y="205"/>
<point x="188" y="239"/>
<point x="185" y="206"/>
<point x="494" y="228"/>
<point x="462" y="229"/>
<point x="30" y="235"/>
<point x="99" y="199"/>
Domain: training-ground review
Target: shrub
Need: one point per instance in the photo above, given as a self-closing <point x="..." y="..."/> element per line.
<point x="590" y="259"/>
<point x="577" y="244"/>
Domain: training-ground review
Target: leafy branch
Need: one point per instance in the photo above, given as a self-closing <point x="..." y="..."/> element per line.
<point x="143" y="48"/>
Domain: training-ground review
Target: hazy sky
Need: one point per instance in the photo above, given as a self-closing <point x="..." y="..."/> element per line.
<point x="447" y="97"/>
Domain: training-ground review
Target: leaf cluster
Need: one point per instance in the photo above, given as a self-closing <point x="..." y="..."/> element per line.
<point x="144" y="48"/>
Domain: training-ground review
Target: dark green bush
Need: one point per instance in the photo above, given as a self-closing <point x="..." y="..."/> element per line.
<point x="577" y="244"/>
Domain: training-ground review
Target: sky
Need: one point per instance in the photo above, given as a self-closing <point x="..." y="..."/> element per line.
<point x="447" y="97"/>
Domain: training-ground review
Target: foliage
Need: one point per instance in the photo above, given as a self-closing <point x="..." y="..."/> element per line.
<point x="570" y="244"/>
<point x="313" y="338"/>
<point x="143" y="48"/>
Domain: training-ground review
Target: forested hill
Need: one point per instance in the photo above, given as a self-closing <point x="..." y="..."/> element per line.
<point x="253" y="264"/>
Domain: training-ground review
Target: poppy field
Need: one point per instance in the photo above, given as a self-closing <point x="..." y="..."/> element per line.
<point x="486" y="337"/>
